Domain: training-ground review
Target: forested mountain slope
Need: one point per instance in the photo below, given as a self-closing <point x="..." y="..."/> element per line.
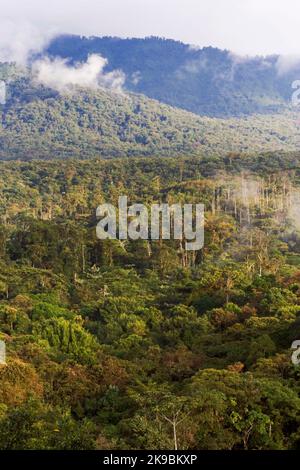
<point x="39" y="123"/>
<point x="205" y="81"/>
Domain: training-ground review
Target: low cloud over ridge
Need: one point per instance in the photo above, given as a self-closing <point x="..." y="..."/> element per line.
<point x="21" y="41"/>
<point x="63" y="77"/>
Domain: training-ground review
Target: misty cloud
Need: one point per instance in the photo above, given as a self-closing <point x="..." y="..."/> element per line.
<point x="286" y="64"/>
<point x="136" y="77"/>
<point x="63" y="77"/>
<point x="246" y="27"/>
<point x="203" y="63"/>
<point x="19" y="40"/>
<point x="192" y="66"/>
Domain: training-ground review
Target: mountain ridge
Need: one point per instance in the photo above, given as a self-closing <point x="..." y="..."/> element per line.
<point x="206" y="81"/>
<point x="40" y="123"/>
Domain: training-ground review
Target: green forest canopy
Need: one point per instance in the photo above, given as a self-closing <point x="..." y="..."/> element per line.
<point x="107" y="341"/>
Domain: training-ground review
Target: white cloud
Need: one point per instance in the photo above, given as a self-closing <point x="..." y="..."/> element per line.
<point x="288" y="63"/>
<point x="20" y="39"/>
<point x="243" y="26"/>
<point x="59" y="75"/>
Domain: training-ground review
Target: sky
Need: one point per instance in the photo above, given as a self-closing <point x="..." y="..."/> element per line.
<point x="243" y="26"/>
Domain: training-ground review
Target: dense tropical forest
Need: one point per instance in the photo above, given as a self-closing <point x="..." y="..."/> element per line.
<point x="114" y="344"/>
<point x="120" y="344"/>
<point x="38" y="122"/>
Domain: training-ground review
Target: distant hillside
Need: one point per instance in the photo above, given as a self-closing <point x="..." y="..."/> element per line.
<point x="37" y="122"/>
<point x="205" y="81"/>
